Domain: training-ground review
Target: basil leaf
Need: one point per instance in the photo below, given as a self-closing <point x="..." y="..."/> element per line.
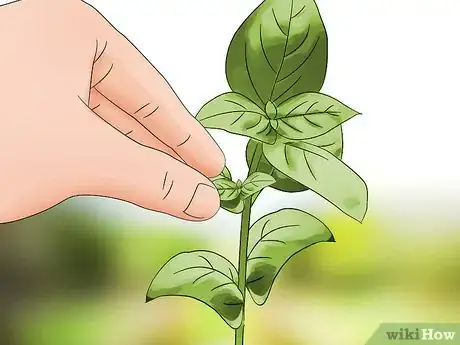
<point x="310" y="115"/>
<point x="225" y="174"/>
<point x="323" y="173"/>
<point x="273" y="240"/>
<point x="278" y="52"/>
<point x="227" y="189"/>
<point x="332" y="142"/>
<point x="255" y="183"/>
<point x="204" y="276"/>
<point x="234" y="206"/>
<point x="236" y="114"/>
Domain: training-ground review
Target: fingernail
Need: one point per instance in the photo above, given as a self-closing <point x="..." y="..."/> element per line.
<point x="205" y="202"/>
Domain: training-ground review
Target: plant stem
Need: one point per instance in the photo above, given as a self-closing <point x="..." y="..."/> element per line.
<point x="243" y="257"/>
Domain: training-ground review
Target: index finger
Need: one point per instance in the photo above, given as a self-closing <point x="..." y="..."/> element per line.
<point x="123" y="75"/>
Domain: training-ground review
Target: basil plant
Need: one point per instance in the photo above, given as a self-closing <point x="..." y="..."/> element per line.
<point x="275" y="67"/>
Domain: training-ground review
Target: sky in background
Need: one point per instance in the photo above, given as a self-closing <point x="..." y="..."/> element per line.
<point x="395" y="61"/>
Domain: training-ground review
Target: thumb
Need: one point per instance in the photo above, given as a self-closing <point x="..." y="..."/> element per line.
<point x="112" y="165"/>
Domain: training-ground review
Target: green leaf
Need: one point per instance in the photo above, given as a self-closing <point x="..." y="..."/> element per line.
<point x="204" y="276"/>
<point x="273" y="240"/>
<point x="236" y="114"/>
<point x="255" y="183"/>
<point x="225" y="174"/>
<point x="278" y="52"/>
<point x="227" y="189"/>
<point x="234" y="206"/>
<point x="332" y="142"/>
<point x="310" y="115"/>
<point x="322" y="172"/>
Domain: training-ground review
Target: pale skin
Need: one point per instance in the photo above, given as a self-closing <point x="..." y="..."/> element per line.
<point x="83" y="112"/>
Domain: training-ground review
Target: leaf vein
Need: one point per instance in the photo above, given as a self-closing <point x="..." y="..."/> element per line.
<point x="239" y="117"/>
<point x="290" y="126"/>
<point x="263" y="49"/>
<point x="314" y="124"/>
<point x="307" y="150"/>
<point x="295" y="108"/>
<point x="231" y="274"/>
<point x="202" y="276"/>
<point x="260" y="258"/>
<point x="277" y="23"/>
<point x="222" y="285"/>
<point x="230" y="112"/>
<point x="255" y="280"/>
<point x="289" y="88"/>
<point x="280" y="228"/>
<point x="285" y="49"/>
<point x="249" y="72"/>
<point x="301" y="64"/>
<point x="203" y="267"/>
<point x="286" y="155"/>
<point x="209" y="262"/>
<point x="265" y="128"/>
<point x="274" y="241"/>
<point x="233" y="102"/>
<point x="299" y="12"/>
<point x="233" y="304"/>
<point x="327" y="145"/>
<point x="308" y="165"/>
<point x="301" y="43"/>
<point x="260" y="120"/>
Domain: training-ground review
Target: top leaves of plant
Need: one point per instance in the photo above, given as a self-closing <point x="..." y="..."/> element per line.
<point x="237" y="114"/>
<point x="279" y="51"/>
<point x="310" y="115"/>
<point x="273" y="240"/>
<point x="204" y="276"/>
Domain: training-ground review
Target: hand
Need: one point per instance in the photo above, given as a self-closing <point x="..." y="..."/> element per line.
<point x="84" y="113"/>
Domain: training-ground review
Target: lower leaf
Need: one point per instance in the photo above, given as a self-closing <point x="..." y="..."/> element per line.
<point x="273" y="240"/>
<point x="204" y="276"/>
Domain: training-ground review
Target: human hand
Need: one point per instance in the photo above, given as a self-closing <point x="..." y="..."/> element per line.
<point x="84" y="113"/>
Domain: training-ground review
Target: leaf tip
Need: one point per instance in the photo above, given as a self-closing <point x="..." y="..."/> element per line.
<point x="148" y="299"/>
<point x="360" y="219"/>
<point x="332" y="239"/>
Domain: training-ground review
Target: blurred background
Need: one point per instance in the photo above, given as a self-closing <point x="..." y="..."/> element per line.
<point x="74" y="276"/>
<point x="78" y="273"/>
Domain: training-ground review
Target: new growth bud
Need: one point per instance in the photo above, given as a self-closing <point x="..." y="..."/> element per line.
<point x="270" y="110"/>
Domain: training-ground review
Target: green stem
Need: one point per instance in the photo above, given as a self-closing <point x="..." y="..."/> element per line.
<point x="243" y="257"/>
<point x="242" y="265"/>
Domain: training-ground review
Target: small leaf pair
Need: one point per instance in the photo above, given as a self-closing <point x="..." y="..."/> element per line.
<point x="232" y="194"/>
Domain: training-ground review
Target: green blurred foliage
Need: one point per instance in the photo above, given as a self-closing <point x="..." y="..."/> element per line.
<point x="71" y="277"/>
